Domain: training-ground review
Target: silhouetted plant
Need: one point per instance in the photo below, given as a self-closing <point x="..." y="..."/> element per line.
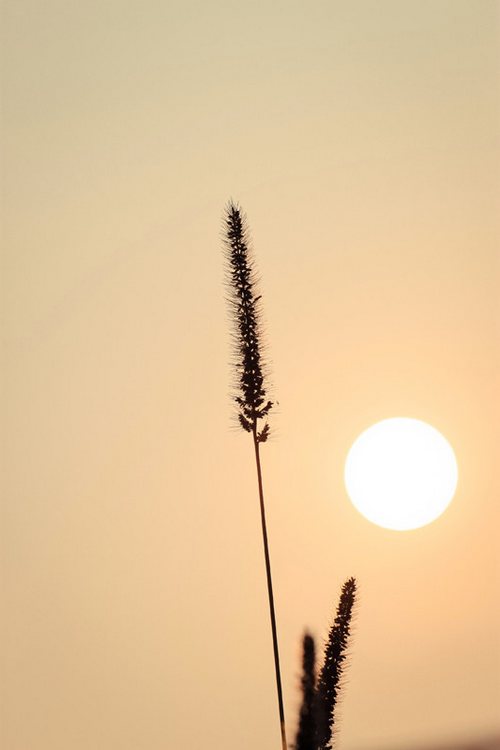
<point x="329" y="681"/>
<point x="319" y="698"/>
<point x="316" y="729"/>
<point x="306" y="733"/>
<point x="253" y="406"/>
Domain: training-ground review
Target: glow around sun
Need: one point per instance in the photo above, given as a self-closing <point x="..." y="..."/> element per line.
<point x="401" y="473"/>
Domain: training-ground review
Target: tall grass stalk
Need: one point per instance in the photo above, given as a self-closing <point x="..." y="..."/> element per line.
<point x="253" y="406"/>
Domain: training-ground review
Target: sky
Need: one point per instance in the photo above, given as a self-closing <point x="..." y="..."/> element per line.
<point x="361" y="139"/>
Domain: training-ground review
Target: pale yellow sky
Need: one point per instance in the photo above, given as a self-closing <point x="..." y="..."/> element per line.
<point x="362" y="140"/>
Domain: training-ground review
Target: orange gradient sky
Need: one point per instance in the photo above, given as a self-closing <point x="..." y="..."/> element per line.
<point x="361" y="138"/>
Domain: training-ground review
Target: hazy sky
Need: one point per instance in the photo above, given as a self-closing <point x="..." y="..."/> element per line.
<point x="361" y="138"/>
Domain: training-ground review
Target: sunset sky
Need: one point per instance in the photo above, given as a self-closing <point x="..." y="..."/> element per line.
<point x="361" y="137"/>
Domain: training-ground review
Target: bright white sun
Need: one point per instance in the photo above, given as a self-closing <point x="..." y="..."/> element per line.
<point x="401" y="473"/>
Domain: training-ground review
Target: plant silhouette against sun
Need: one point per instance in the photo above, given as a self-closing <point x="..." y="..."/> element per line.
<point x="330" y="676"/>
<point x="320" y="696"/>
<point x="253" y="406"/>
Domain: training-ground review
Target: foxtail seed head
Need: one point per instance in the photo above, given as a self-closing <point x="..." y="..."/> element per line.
<point x="245" y="311"/>
<point x="330" y="677"/>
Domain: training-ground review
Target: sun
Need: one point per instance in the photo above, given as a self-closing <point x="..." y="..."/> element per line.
<point x="401" y="473"/>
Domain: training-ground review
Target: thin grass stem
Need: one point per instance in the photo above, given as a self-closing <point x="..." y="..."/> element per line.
<point x="270" y="593"/>
<point x="251" y="398"/>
